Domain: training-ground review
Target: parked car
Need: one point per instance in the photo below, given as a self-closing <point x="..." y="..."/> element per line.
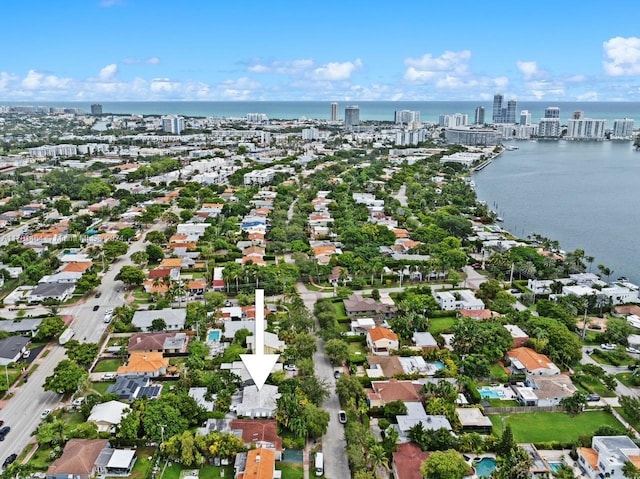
<point x="45" y="413"/>
<point x="290" y="367"/>
<point x="632" y="367"/>
<point x="9" y="460"/>
<point x="593" y="397"/>
<point x="4" y="431"/>
<point x="108" y="376"/>
<point x="336" y="374"/>
<point x="342" y="417"/>
<point x="98" y="294"/>
<point x="608" y="346"/>
<point x="633" y="350"/>
<point x="26" y="354"/>
<point x="96" y="307"/>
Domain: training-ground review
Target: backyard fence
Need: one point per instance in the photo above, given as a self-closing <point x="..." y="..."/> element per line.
<point x="522" y="409"/>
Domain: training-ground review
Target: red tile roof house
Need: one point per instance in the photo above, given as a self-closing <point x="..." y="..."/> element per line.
<point x="78" y="459"/>
<point x="407" y="460"/>
<point x="261" y="432"/>
<point x="383" y="392"/>
<point x="382" y="340"/>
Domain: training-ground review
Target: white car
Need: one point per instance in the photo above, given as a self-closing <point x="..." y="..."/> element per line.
<point x="45" y="413"/>
<point x="108" y="376"/>
<point x="290" y="367"/>
<point x="608" y="346"/>
<point x="633" y="350"/>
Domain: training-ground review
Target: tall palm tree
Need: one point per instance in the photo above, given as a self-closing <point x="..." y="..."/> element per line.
<point x="378" y="460"/>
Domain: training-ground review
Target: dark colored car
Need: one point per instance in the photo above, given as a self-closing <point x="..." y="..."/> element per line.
<point x="4" y="431"/>
<point x="98" y="294"/>
<point x="96" y="307"/>
<point x="9" y="460"/>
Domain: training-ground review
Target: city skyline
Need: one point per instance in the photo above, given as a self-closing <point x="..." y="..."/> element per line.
<point x="127" y="50"/>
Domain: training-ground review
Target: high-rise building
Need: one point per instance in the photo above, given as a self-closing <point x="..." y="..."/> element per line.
<point x="549" y="128"/>
<point x="586" y="129"/>
<point x="479" y="116"/>
<point x="96" y="109"/>
<point x="577" y="115"/>
<point x="334" y="111"/>
<point x="351" y="116"/>
<point x="497" y="108"/>
<point x="257" y="118"/>
<point x="173" y="124"/>
<point x="525" y="118"/>
<point x="510" y="116"/>
<point x="406" y="117"/>
<point x="552" y="112"/>
<point x="622" y="129"/>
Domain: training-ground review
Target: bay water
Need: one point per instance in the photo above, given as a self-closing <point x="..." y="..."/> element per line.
<point x="583" y="194"/>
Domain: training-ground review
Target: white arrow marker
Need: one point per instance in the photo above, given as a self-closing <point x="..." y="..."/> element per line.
<point x="258" y="364"/>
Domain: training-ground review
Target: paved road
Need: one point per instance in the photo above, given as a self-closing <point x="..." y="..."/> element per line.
<point x="333" y="443"/>
<point x="401" y="195"/>
<point x="22" y="411"/>
<point x="621" y="389"/>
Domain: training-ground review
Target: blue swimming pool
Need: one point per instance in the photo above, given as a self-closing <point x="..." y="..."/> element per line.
<point x="214" y="335"/>
<point x="554" y="466"/>
<point x="485" y="466"/>
<point x="437" y="364"/>
<point x="487" y="392"/>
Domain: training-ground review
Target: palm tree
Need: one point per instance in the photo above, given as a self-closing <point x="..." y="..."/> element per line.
<point x="589" y="259"/>
<point x="378" y="460"/>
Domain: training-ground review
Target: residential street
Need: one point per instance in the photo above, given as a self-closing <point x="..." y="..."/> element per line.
<point x="333" y="443"/>
<point x="22" y="411"/>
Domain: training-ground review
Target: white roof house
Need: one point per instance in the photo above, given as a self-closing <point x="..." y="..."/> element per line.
<point x="258" y="403"/>
<point x="108" y="415"/>
<point x="173" y="318"/>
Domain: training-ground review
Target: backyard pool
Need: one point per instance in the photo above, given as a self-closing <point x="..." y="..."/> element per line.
<point x="214" y="335"/>
<point x="554" y="466"/>
<point x="488" y="392"/>
<point x="439" y="365"/>
<point x="485" y="466"/>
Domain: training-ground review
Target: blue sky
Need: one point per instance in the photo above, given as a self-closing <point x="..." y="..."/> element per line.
<point x="348" y="50"/>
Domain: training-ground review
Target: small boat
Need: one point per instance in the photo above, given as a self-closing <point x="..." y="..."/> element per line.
<point x="623" y="278"/>
<point x="499" y="218"/>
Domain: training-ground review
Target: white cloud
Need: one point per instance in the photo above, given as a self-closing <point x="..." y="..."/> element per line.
<point x="622" y="56"/>
<point x="108" y="72"/>
<point x="292" y="67"/>
<point x="336" y="71"/>
<point x="428" y="67"/>
<point x="530" y="70"/>
<point x="39" y="81"/>
<point x="588" y="96"/>
<point x="141" y="61"/>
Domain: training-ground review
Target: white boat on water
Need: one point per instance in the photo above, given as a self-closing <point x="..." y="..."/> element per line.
<point x="499" y="219"/>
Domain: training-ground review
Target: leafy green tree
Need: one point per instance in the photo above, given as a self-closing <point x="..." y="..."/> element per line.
<point x="131" y="275"/>
<point x="350" y="391"/>
<point x="629" y="470"/>
<point x="63" y="205"/>
<point x="155" y="254"/>
<point x="140" y="258"/>
<point x="302" y="346"/>
<point x="444" y="465"/>
<point x="127" y="234"/>
<point x="50" y="432"/>
<point x="66" y="378"/>
<point x="114" y="248"/>
<point x="158" y="324"/>
<point x="82" y="353"/>
<point x="337" y="351"/>
<point x="514" y="465"/>
<point x="156" y="237"/>
<point x="618" y="330"/>
<point x="50" y="327"/>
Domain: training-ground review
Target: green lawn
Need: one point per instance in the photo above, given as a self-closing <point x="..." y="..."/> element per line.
<point x="552" y="426"/>
<point x="101" y="387"/>
<point x="207" y="472"/>
<point x="289" y="470"/>
<point x="625" y="378"/>
<point x="107" y="366"/>
<point x="441" y="325"/>
<point x="143" y="462"/>
<point x="498" y="372"/>
<point x="634" y="424"/>
<point x="341" y="314"/>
